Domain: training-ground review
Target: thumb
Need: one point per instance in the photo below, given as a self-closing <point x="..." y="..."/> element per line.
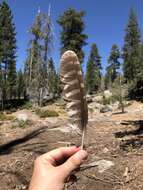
<point x="73" y="162"/>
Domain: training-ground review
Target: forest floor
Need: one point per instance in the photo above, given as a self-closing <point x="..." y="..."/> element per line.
<point x="114" y="142"/>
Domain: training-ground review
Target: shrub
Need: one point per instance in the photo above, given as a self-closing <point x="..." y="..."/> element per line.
<point x="106" y="101"/>
<point x="11" y="110"/>
<point x="4" y="116"/>
<point x="27" y="105"/>
<point x="109" y="100"/>
<point x="46" y="113"/>
<point x="21" y="123"/>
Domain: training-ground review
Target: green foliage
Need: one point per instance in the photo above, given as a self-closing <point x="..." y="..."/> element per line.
<point x="21" y="124"/>
<point x="33" y="63"/>
<point x="20" y="84"/>
<point x="27" y="105"/>
<point x="135" y="86"/>
<point x="110" y="100"/>
<point x="38" y="78"/>
<point x="12" y="79"/>
<point x="7" y="52"/>
<point x="46" y="113"/>
<point x="119" y="91"/>
<point x="133" y="58"/>
<point x="36" y="27"/>
<point x="53" y="82"/>
<point x="11" y="110"/>
<point x="135" y="90"/>
<point x="131" y="49"/>
<point x="5" y="117"/>
<point x="93" y="73"/>
<point x="72" y="37"/>
<point x="113" y="66"/>
<point x="106" y="101"/>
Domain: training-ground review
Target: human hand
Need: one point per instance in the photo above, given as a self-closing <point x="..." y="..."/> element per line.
<point x="52" y="169"/>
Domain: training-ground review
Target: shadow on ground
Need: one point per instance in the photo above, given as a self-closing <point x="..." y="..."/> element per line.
<point x="134" y="136"/>
<point x="118" y="113"/>
<point x="9" y="147"/>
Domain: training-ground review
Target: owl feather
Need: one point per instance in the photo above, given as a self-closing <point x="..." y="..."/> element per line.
<point x="74" y="91"/>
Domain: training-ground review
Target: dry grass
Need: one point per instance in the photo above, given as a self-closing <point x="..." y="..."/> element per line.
<point x="46" y="113"/>
<point x="4" y="117"/>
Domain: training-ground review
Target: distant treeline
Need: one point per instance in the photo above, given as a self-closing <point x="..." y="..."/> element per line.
<point x="39" y="81"/>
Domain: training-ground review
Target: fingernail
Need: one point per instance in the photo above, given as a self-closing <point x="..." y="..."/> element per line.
<point x="82" y="154"/>
<point x="72" y="147"/>
<point x="78" y="148"/>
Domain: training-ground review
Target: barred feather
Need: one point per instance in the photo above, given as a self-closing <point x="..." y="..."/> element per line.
<point x="74" y="92"/>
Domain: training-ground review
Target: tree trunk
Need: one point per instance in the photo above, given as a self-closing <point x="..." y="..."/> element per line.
<point x="121" y="97"/>
<point x="41" y="97"/>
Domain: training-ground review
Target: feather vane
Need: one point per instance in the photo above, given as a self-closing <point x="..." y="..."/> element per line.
<point x="74" y="92"/>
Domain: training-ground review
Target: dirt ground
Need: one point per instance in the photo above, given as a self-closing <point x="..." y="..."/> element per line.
<point x="111" y="138"/>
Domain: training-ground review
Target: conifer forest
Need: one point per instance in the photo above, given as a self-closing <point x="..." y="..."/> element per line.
<point x="65" y="94"/>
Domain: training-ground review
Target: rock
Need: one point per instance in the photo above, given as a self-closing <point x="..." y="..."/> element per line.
<point x="116" y="105"/>
<point x="107" y="94"/>
<point x="106" y="108"/>
<point x="47" y="98"/>
<point x="22" y="117"/>
<point x="98" y="99"/>
<point x="89" y="98"/>
<point x="104" y="165"/>
<point x="95" y="105"/>
<point x="105" y="150"/>
<point x="94" y="98"/>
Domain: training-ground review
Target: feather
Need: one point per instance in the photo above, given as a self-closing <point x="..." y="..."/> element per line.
<point x="73" y="91"/>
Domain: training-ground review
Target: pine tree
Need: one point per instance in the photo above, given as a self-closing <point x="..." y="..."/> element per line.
<point x="36" y="64"/>
<point x="93" y="71"/>
<point x="140" y="68"/>
<point x="1" y="81"/>
<point x="33" y="64"/>
<point x="131" y="49"/>
<point x="47" y="44"/>
<point x="12" y="79"/>
<point x="136" y="86"/>
<point x="72" y="36"/>
<point x="7" y="51"/>
<point x="121" y="94"/>
<point x="47" y="34"/>
<point x="53" y="83"/>
<point x="113" y="65"/>
<point x="20" y="84"/>
<point x="118" y="91"/>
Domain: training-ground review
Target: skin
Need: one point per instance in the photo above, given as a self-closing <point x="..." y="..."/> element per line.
<point x="53" y="168"/>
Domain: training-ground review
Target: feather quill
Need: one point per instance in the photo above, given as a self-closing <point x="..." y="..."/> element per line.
<point x="74" y="91"/>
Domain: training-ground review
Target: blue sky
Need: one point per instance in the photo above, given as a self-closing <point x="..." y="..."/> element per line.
<point x="105" y="23"/>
